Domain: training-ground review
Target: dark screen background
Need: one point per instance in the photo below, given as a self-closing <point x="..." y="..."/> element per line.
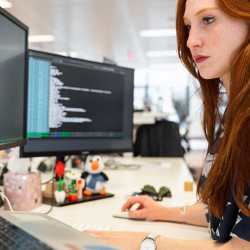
<point x="12" y="80"/>
<point x="105" y="110"/>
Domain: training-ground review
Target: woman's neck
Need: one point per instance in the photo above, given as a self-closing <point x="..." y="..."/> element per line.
<point x="226" y="82"/>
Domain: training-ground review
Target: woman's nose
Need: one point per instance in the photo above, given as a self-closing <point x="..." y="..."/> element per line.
<point x="194" y="38"/>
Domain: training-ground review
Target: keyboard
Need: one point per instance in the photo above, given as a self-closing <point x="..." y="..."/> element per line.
<point x="13" y="237"/>
<point x="95" y="227"/>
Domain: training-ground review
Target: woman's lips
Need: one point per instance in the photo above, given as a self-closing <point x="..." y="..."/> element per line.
<point x="200" y="59"/>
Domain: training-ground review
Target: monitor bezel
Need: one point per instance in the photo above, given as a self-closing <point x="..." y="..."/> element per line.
<point x="19" y="142"/>
<point x="61" y="153"/>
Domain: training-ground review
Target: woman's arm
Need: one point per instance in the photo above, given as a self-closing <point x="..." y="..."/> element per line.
<point x="151" y="210"/>
<point x="132" y="241"/>
<point x="194" y="215"/>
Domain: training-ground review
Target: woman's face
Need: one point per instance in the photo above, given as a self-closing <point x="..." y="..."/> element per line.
<point x="214" y="37"/>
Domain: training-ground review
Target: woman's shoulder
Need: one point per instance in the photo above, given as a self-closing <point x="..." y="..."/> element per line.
<point x="234" y="223"/>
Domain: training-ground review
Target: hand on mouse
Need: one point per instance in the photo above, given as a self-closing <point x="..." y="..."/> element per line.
<point x="147" y="208"/>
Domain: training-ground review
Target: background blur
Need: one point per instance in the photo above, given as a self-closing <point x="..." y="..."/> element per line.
<point x="139" y="34"/>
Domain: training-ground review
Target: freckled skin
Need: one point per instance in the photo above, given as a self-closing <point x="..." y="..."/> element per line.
<point x="213" y="37"/>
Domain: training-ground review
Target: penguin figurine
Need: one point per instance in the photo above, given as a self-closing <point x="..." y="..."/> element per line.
<point x="94" y="177"/>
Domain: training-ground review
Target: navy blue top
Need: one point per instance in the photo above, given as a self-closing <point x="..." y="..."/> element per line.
<point x="233" y="223"/>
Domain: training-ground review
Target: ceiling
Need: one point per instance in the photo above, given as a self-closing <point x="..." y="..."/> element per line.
<point x="93" y="29"/>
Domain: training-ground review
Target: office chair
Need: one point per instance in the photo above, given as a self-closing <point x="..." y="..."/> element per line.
<point x="161" y="139"/>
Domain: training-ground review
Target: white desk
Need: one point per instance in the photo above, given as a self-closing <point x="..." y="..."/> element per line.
<point x="123" y="182"/>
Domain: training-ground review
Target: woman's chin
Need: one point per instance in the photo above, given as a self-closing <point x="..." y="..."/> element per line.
<point x="207" y="76"/>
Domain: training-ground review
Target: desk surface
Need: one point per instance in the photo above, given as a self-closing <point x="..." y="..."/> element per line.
<point x="170" y="172"/>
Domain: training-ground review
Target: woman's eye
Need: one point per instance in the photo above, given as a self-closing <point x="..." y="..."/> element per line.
<point x="188" y="27"/>
<point x="208" y="20"/>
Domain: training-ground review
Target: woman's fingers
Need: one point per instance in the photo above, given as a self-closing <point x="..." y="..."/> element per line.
<point x="134" y="200"/>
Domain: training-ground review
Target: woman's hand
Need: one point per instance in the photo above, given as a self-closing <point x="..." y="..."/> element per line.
<point x="122" y="240"/>
<point x="148" y="208"/>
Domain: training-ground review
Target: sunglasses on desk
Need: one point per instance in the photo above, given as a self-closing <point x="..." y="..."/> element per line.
<point x="151" y="191"/>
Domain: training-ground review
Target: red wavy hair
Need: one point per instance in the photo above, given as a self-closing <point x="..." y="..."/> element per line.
<point x="231" y="168"/>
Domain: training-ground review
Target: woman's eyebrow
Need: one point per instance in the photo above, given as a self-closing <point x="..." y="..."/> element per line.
<point x="205" y="9"/>
<point x="200" y="11"/>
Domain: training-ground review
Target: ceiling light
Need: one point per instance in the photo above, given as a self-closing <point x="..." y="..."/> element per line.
<point x="73" y="54"/>
<point x="5" y="4"/>
<point x="161" y="53"/>
<point x="41" y="38"/>
<point x="70" y="53"/>
<point x="62" y="53"/>
<point x="158" y="33"/>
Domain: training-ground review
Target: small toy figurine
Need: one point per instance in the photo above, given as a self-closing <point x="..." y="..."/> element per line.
<point x="60" y="194"/>
<point x="95" y="178"/>
<point x="73" y="176"/>
<point x="60" y="169"/>
<point x="79" y="189"/>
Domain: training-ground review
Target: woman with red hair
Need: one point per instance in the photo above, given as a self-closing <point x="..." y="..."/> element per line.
<point x="213" y="43"/>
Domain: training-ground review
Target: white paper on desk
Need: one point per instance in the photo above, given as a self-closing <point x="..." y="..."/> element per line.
<point x="133" y="163"/>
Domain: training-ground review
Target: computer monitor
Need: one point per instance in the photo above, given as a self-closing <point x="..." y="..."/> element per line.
<point x="13" y="80"/>
<point x="77" y="106"/>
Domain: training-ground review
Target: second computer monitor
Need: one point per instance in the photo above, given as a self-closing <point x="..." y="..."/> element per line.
<point x="76" y="105"/>
<point x="13" y="80"/>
